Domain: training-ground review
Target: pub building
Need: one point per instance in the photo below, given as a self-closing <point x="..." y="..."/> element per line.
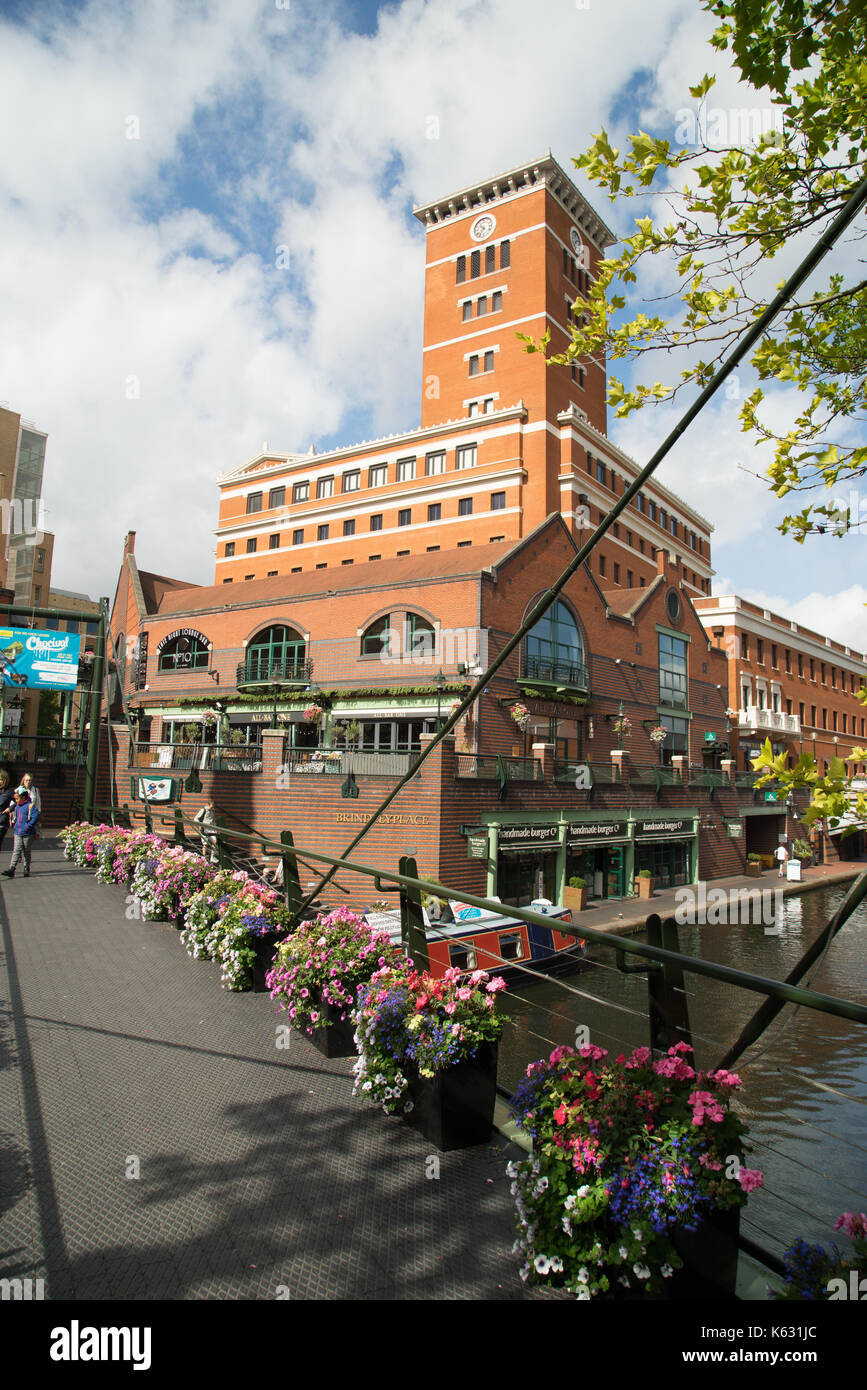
<point x="283" y="699"/>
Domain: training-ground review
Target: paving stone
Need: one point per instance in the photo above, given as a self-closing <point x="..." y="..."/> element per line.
<point x="258" y="1169"/>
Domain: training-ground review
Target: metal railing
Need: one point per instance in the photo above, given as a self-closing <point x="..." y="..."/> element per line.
<point x="43" y="749"/>
<point x="586" y="775"/>
<point x="207" y="757"/>
<point x="538" y="668"/>
<point x="254" y="671"/>
<point x="338" y="762"/>
<point x="493" y="767"/>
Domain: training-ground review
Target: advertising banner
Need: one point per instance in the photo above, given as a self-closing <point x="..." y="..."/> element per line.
<point x="39" y="660"/>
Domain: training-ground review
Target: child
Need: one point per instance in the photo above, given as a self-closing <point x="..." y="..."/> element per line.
<point x="24" y="824"/>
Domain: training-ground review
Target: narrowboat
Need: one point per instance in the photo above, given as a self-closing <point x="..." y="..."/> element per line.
<point x="474" y="938"/>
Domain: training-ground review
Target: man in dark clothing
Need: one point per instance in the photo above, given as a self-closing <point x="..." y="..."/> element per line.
<point x="24" y="824"/>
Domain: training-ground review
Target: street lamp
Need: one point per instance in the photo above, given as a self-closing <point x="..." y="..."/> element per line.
<point x="439" y="682"/>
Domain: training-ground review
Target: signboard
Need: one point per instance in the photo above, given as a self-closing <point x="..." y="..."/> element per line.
<point x="709" y="737"/>
<point x="771" y="796"/>
<point x="153" y="788"/>
<point x="182" y="658"/>
<point x="735" y="829"/>
<point x="477" y="846"/>
<point x="528" y="836"/>
<point x="597" y="830"/>
<point x="793" y="870"/>
<point x="39" y="660"/>
<point x="141" y="662"/>
<point x="663" y="827"/>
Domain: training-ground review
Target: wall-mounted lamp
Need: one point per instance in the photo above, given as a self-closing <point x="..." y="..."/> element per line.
<point x="215" y="676"/>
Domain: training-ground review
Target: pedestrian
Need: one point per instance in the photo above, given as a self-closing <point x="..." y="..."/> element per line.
<point x="36" y="796"/>
<point x="6" y="800"/>
<point x="24" y="825"/>
<point x="781" y="854"/>
<point x="207" y="819"/>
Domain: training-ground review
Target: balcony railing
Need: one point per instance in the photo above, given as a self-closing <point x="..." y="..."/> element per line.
<point x="585" y="775"/>
<point x="771" y="719"/>
<point x="538" y="668"/>
<point x="490" y="767"/>
<point x="339" y="762"/>
<point x="208" y="757"/>
<point x="261" y="671"/>
<point x="42" y="749"/>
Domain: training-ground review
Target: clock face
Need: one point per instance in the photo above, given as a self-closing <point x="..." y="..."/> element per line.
<point x="483" y="227"/>
<point x="576" y="242"/>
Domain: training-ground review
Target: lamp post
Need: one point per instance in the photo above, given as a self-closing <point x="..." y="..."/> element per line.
<point x="439" y="682"/>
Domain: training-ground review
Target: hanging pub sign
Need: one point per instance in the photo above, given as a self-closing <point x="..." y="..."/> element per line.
<point x="477" y="846"/>
<point x="141" y="662"/>
<point x="39" y="660"/>
<point x="735" y="829"/>
<point x="156" y="788"/>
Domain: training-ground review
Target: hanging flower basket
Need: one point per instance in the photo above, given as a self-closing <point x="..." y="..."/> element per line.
<point x="622" y="727"/>
<point x="312" y="714"/>
<point x="658" y="734"/>
<point x="521" y="715"/>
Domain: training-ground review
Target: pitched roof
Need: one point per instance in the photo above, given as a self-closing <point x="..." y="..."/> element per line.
<point x="464" y="563"/>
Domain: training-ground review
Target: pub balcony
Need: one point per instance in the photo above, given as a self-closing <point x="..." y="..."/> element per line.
<point x="562" y="675"/>
<point x="254" y="672"/>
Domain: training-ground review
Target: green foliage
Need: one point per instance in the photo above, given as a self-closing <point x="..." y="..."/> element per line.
<point x="48" y="718"/>
<point x="577" y="883"/>
<point x="831" y="797"/>
<point x="742" y="203"/>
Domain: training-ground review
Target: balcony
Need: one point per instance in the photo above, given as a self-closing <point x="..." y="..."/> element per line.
<point x="563" y="675"/>
<point x="339" y="762"/>
<point x="254" y="671"/>
<point x="755" y="720"/>
<point x="207" y="757"/>
<point x="493" y="768"/>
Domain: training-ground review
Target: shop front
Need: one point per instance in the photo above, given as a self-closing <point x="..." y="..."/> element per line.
<point x="598" y="852"/>
<point x="668" y="849"/>
<point x="527" y="863"/>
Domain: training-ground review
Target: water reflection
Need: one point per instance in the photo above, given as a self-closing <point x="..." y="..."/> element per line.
<point x="805" y="1082"/>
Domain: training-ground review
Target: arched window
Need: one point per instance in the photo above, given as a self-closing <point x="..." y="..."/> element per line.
<point x="276" y="653"/>
<point x="553" y="650"/>
<point x="419" y="638"/>
<point x="184" y="653"/>
<point x="376" y="639"/>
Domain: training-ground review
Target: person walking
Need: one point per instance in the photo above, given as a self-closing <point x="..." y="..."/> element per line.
<point x="36" y="797"/>
<point x="207" y="819"/>
<point x="781" y="854"/>
<point x="24" y="825"/>
<point x="6" y="801"/>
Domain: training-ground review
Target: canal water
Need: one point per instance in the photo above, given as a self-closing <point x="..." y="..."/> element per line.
<point x="804" y="1098"/>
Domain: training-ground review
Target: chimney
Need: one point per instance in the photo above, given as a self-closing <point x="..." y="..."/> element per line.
<point x="129" y="543"/>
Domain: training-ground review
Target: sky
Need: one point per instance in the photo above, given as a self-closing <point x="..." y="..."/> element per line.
<point x="207" y="245"/>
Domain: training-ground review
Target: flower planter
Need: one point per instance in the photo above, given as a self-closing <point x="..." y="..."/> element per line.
<point x="336" y="1040"/>
<point x="644" y="887"/>
<point x="454" y="1108"/>
<point x="710" y="1258"/>
<point x="575" y="898"/>
<point x="266" y="944"/>
<point x="754" y="870"/>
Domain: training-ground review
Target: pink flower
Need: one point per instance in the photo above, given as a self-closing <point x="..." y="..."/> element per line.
<point x="593" y="1053"/>
<point x="724" y="1078"/>
<point x="750" y="1179"/>
<point x="465" y="994"/>
<point x="854" y="1225"/>
<point x="495" y="985"/>
<point x="450" y="1008"/>
<point x="559" y="1053"/>
<point x="560" y="1115"/>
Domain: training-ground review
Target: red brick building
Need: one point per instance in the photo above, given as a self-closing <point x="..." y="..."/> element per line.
<point x="504" y="441"/>
<point x="228" y="689"/>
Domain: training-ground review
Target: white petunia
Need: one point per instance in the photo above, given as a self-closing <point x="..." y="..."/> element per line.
<point x="542" y="1264"/>
<point x="642" y="1271"/>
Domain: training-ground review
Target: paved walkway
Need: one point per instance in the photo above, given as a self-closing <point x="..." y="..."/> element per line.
<point x="257" y="1168"/>
<point x="630" y="914"/>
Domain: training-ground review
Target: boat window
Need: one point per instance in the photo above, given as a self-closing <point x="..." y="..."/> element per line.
<point x="511" y="946"/>
<point x="462" y="957"/>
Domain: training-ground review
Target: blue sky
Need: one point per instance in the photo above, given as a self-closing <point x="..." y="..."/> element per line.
<point x="160" y="159"/>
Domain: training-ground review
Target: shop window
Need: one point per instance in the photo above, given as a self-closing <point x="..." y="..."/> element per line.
<point x="184" y="654"/>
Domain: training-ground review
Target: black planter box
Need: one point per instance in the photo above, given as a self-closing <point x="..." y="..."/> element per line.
<point x="338" y="1040"/>
<point x="454" y="1108"/>
<point x="266" y="947"/>
<point x="710" y="1258"/>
